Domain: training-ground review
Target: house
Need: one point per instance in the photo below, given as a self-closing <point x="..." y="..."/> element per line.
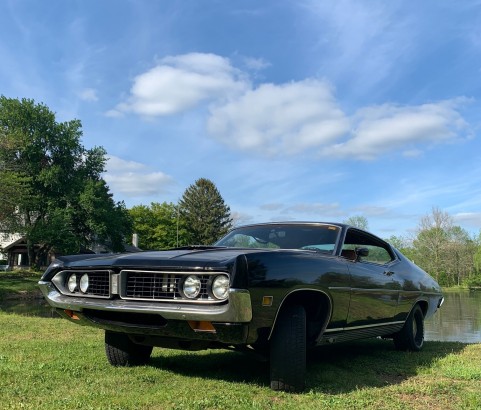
<point x="5" y="240"/>
<point x="16" y="254"/>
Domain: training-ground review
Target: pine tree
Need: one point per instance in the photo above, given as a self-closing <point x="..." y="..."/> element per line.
<point x="203" y="213"/>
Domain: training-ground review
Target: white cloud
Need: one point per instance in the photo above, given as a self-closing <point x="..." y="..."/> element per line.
<point x="181" y="82"/>
<point x="468" y="218"/>
<point x="88" y="94"/>
<point x="256" y="64"/>
<point x="285" y="119"/>
<point x="133" y="179"/>
<point x="388" y="127"/>
<point x="280" y="119"/>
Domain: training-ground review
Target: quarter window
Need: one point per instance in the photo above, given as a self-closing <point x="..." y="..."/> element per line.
<point x="379" y="251"/>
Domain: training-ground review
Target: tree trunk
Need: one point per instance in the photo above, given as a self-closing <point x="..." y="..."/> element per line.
<point x="31" y="253"/>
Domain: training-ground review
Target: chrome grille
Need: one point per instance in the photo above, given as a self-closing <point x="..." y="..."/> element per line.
<point x="99" y="283"/>
<point x="162" y="286"/>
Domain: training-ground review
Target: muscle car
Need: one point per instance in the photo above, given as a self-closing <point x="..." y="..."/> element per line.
<point x="277" y="289"/>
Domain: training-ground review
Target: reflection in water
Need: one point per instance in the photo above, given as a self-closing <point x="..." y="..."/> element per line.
<point x="29" y="307"/>
<point x="458" y="320"/>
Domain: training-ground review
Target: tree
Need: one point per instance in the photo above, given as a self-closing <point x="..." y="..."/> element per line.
<point x="358" y="221"/>
<point x="444" y="250"/>
<point x="204" y="213"/>
<point x="459" y="256"/>
<point x="53" y="185"/>
<point x="99" y="219"/>
<point x="475" y="277"/>
<point x="13" y="180"/>
<point x="158" y="226"/>
<point x="403" y="244"/>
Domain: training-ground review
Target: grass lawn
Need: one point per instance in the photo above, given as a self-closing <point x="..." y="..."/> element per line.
<point x="54" y="364"/>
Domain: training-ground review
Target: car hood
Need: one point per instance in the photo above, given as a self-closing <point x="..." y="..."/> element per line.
<point x="199" y="257"/>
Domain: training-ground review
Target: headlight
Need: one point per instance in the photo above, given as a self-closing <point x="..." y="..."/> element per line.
<point x="72" y="283"/>
<point x="84" y="283"/>
<point x="191" y="287"/>
<point x="220" y="287"/>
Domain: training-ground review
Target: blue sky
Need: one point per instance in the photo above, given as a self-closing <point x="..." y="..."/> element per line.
<point x="305" y="110"/>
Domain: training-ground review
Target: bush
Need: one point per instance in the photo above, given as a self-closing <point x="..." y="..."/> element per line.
<point x="474" y="281"/>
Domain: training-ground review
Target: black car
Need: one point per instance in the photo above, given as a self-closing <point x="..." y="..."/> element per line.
<point x="276" y="288"/>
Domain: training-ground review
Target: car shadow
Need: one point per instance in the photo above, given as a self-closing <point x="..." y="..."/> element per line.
<point x="346" y="367"/>
<point x="333" y="369"/>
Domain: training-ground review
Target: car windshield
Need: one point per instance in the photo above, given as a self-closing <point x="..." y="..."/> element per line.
<point x="320" y="238"/>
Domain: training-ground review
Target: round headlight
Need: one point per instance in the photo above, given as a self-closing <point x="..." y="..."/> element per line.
<point x="84" y="283"/>
<point x="72" y="283"/>
<point x="191" y="286"/>
<point x="220" y="287"/>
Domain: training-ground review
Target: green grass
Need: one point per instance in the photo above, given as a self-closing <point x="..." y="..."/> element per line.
<point x="54" y="364"/>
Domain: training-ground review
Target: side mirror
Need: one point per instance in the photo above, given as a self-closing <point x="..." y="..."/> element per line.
<point x="362" y="252"/>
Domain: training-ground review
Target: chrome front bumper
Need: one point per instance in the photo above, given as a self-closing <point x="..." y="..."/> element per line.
<point x="238" y="309"/>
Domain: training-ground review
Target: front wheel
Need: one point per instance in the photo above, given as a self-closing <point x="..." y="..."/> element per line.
<point x="121" y="351"/>
<point x="411" y="336"/>
<point x="288" y="350"/>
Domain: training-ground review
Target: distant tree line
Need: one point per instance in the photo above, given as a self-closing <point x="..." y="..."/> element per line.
<point x="446" y="251"/>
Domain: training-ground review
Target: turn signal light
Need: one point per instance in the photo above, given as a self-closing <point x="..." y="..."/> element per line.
<point x="201" y="326"/>
<point x="71" y="314"/>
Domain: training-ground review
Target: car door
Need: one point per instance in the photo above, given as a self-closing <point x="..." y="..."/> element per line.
<point x="375" y="287"/>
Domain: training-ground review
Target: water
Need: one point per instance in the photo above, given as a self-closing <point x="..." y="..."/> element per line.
<point x="458" y="320"/>
<point x="29" y="307"/>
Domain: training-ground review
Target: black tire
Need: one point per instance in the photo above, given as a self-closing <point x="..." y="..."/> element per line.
<point x="411" y="336"/>
<point x="121" y="351"/>
<point x="288" y="350"/>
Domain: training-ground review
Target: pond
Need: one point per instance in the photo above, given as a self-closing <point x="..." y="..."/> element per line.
<point x="28" y="307"/>
<point x="459" y="319"/>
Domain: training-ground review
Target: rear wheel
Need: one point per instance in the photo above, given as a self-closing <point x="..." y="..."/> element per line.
<point x="121" y="351"/>
<point x="411" y="336"/>
<point x="288" y="350"/>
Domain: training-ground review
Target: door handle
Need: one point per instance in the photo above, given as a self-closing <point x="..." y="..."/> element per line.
<point x="388" y="272"/>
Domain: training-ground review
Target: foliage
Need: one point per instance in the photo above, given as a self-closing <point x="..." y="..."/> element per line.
<point x="444" y="250"/>
<point x="358" y="221"/>
<point x="54" y="364"/>
<point x="53" y="187"/>
<point x="204" y="213"/>
<point x="158" y="226"/>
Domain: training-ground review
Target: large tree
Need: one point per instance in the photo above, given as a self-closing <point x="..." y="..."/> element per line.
<point x="204" y="213"/>
<point x="53" y="186"/>
<point x="358" y="221"/>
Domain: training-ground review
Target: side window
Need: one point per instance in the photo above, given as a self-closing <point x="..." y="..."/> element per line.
<point x="379" y="251"/>
<point x="377" y="254"/>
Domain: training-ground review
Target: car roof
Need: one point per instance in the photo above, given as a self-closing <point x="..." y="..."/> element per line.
<point x="340" y="225"/>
